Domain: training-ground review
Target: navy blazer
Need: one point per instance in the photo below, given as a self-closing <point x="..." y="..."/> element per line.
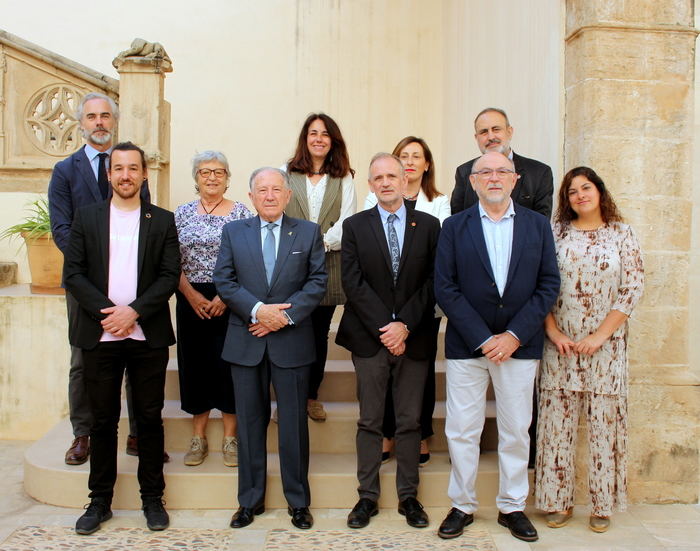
<point x="73" y="185"/>
<point x="533" y="190"/>
<point x="466" y="290"/>
<point x="299" y="278"/>
<point x="373" y="300"/>
<point x="86" y="273"/>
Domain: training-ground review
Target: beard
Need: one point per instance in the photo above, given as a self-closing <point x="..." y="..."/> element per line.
<point x="94" y="137"/>
<point x="126" y="193"/>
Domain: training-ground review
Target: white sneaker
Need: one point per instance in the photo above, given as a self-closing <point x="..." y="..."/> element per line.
<point x="230" y="451"/>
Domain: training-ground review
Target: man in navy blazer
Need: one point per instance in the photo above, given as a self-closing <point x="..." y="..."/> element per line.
<point x="496" y="278"/>
<point x="271" y="274"/>
<point x="77" y="181"/>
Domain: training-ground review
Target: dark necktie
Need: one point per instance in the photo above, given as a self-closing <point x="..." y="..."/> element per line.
<point x="102" y="182"/>
<point x="269" y="253"/>
<point x="393" y="245"/>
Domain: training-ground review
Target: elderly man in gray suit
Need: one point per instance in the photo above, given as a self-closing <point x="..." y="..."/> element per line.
<point x="271" y="274"/>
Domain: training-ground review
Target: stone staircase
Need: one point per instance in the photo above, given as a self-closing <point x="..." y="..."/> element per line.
<point x="211" y="485"/>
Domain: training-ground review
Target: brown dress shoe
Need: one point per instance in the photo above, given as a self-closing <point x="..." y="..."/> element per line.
<point x="132" y="448"/>
<point x="315" y="410"/>
<point x="79" y="451"/>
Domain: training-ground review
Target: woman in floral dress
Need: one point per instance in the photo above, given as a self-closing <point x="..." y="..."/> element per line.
<point x="584" y="366"/>
<point x="202" y="317"/>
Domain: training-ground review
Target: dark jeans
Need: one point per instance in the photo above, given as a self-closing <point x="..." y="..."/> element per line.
<point x="104" y="368"/>
<point x="321" y="321"/>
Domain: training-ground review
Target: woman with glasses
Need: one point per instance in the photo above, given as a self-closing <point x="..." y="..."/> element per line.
<point x="584" y="366"/>
<point x="421" y="194"/>
<point x="202" y="318"/>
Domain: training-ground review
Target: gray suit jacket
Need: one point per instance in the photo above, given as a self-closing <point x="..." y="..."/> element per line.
<point x="299" y="278"/>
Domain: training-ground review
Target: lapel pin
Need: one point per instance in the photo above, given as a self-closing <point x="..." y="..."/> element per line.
<point x="290" y="233"/>
<point x="413" y="224"/>
<point x="148" y="215"/>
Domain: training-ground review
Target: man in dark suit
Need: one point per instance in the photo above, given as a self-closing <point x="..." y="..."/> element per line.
<point x="493" y="132"/>
<point x="122" y="265"/>
<point x="77" y="181"/>
<point x="271" y="274"/>
<point x="496" y="278"/>
<point x="388" y="255"/>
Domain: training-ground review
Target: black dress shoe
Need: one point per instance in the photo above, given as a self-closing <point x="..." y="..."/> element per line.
<point x="519" y="525"/>
<point x="301" y="517"/>
<point x="454" y="523"/>
<point x="245" y="515"/>
<point x="361" y="512"/>
<point x="97" y="511"/>
<point x="414" y="513"/>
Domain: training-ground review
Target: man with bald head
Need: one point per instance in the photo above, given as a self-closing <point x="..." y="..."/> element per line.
<point x="496" y="278"/>
<point x="493" y="132"/>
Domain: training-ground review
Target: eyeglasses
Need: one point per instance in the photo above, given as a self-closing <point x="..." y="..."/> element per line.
<point x="499" y="172"/>
<point x="206" y="172"/>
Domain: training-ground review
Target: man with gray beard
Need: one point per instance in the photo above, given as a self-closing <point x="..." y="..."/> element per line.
<point x="77" y="181"/>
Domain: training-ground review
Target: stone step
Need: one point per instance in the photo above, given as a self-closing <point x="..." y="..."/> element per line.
<point x="211" y="485"/>
<point x="335" y="435"/>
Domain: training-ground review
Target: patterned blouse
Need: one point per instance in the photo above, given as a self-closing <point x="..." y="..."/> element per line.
<point x="601" y="270"/>
<point x="200" y="238"/>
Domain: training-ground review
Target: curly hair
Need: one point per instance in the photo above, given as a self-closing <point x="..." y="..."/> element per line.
<point x="337" y="162"/>
<point x="608" y="209"/>
<point x="427" y="182"/>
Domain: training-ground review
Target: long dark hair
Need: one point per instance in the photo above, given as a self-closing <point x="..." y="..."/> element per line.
<point x="337" y="162"/>
<point x="427" y="182"/>
<point x="608" y="209"/>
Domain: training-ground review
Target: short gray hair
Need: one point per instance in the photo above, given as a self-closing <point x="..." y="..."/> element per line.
<point x="96" y="95"/>
<point x="262" y="169"/>
<point x="492" y="110"/>
<point x="206" y="156"/>
<point x="384" y="155"/>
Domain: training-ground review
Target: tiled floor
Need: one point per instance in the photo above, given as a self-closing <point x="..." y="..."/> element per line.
<point x="641" y="528"/>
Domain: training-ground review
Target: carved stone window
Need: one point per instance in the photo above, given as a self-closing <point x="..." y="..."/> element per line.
<point x="50" y="122"/>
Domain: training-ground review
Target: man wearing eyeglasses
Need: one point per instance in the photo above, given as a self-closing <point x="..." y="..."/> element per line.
<point x="493" y="132"/>
<point x="496" y="278"/>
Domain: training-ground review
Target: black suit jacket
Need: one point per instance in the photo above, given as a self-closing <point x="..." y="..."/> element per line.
<point x="73" y="185"/>
<point x="372" y="298"/>
<point x="86" y="273"/>
<point x="533" y="190"/>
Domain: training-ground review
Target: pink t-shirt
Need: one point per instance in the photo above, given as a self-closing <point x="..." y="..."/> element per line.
<point x="123" y="263"/>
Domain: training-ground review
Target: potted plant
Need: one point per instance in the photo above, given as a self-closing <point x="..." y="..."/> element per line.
<point x="45" y="259"/>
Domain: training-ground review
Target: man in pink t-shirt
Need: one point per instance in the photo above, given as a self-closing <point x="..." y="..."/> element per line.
<point x="122" y="265"/>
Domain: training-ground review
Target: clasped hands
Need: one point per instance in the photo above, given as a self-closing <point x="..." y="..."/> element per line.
<point x="586" y="346"/>
<point x="206" y="309"/>
<point x="394" y="337"/>
<point x="500" y="348"/>
<point x="271" y="317"/>
<point x="120" y="320"/>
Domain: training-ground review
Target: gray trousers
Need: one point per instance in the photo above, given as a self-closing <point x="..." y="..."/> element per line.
<point x="408" y="378"/>
<point x="78" y="405"/>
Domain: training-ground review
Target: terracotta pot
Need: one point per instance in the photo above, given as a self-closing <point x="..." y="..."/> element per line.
<point x="45" y="265"/>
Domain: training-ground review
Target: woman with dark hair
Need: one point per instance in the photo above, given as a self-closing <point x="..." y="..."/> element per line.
<point x="202" y="317"/>
<point x="421" y="194"/>
<point x="584" y="365"/>
<point x="323" y="192"/>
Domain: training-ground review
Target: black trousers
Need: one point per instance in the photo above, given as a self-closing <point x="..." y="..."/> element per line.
<point x="251" y="384"/>
<point x="321" y="322"/>
<point x="104" y="369"/>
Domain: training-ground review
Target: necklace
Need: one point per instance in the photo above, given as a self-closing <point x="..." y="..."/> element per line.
<point x="213" y="208"/>
<point x="316" y="173"/>
<point x="412" y="197"/>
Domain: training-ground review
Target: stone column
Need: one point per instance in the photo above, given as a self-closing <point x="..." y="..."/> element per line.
<point x="629" y="115"/>
<point x="144" y="113"/>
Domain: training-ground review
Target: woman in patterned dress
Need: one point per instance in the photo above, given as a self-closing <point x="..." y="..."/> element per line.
<point x="202" y="317"/>
<point x="584" y="365"/>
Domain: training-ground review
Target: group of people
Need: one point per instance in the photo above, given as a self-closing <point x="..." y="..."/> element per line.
<point x="525" y="301"/>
